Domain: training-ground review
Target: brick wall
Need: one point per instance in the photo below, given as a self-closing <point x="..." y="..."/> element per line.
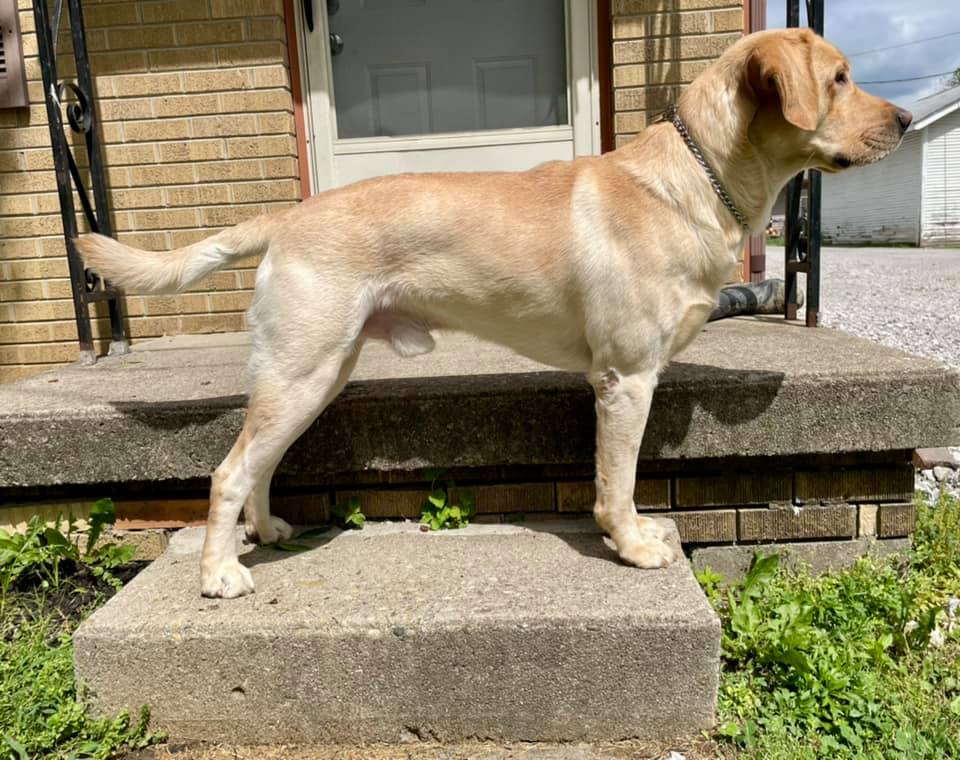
<point x="661" y="45"/>
<point x="197" y="114"/>
<point x="781" y="500"/>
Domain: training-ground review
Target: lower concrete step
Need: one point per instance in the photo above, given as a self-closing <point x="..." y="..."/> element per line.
<point x="501" y="632"/>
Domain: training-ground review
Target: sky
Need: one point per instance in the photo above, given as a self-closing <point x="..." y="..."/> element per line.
<point x="856" y="26"/>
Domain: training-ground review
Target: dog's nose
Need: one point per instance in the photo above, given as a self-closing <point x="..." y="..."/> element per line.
<point x="903" y="119"/>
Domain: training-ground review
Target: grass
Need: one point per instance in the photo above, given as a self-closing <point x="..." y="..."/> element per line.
<point x="862" y="663"/>
<point x="48" y="586"/>
<point x="42" y="713"/>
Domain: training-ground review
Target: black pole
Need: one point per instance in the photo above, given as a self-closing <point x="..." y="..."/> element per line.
<point x="61" y="166"/>
<point x="85" y="288"/>
<point x="815" y="20"/>
<point x="813" y="248"/>
<point x="792" y="240"/>
<point x="102" y="221"/>
<point x="802" y="226"/>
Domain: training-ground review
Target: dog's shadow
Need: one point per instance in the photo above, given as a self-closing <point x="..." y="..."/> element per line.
<point x="585" y="539"/>
<point x="692" y="395"/>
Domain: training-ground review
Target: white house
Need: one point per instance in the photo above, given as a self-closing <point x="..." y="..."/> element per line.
<point x="911" y="197"/>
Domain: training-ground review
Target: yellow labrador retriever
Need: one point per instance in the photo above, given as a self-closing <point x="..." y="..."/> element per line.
<point x="605" y="265"/>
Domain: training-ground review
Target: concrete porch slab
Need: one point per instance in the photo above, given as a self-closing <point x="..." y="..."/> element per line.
<point x="759" y="386"/>
<point x="507" y="633"/>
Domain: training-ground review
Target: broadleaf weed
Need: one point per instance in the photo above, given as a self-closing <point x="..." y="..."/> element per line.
<point x="441" y="511"/>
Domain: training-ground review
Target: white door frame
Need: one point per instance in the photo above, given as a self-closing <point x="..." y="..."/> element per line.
<point x="583" y="102"/>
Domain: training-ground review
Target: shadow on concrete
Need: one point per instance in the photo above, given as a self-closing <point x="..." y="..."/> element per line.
<point x="589" y="543"/>
<point x="687" y="391"/>
<point x="178" y="414"/>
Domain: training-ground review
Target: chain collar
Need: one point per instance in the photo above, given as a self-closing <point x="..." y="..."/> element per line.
<point x="672" y="115"/>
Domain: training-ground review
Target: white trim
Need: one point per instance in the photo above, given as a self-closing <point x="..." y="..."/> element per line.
<point x="319" y="101"/>
<point x="945" y="111"/>
<point x="300" y="31"/>
<point x="453" y="140"/>
<point x="923" y="174"/>
<point x="584" y="80"/>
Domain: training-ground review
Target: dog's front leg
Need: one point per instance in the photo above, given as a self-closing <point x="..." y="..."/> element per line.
<point x="623" y="403"/>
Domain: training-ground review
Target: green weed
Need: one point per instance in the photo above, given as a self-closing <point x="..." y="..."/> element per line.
<point x="349" y="516"/>
<point x="42" y="715"/>
<point x="441" y="512"/>
<point x="842" y="665"/>
<point x="42" y="554"/>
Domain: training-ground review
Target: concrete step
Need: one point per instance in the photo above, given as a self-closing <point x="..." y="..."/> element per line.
<point x="747" y="387"/>
<point x="500" y="632"/>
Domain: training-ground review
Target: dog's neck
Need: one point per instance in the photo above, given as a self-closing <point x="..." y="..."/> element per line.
<point x="718" y="115"/>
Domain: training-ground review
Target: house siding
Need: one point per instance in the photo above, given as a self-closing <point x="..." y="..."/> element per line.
<point x="941" y="186"/>
<point x="879" y="203"/>
<point x="198" y="128"/>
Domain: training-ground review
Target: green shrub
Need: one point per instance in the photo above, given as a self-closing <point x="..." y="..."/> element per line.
<point x="349" y="516"/>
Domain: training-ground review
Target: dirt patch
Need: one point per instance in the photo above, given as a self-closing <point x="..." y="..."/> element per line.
<point x="690" y="749"/>
<point x="78" y="592"/>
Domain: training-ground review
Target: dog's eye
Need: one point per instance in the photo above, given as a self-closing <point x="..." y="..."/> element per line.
<point x="841" y="77"/>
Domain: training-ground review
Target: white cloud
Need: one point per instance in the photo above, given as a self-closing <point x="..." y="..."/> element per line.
<point x="857" y="25"/>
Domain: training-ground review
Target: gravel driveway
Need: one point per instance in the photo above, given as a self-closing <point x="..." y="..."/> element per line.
<point x="907" y="298"/>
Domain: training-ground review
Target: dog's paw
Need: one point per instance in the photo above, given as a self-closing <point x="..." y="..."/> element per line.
<point x="280" y="530"/>
<point x="648" y="554"/>
<point x="651" y="529"/>
<point x="229" y="580"/>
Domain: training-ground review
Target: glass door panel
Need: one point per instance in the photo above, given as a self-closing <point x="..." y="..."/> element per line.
<point x="421" y="67"/>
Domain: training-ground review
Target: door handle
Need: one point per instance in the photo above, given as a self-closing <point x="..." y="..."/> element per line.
<point x="336" y="44"/>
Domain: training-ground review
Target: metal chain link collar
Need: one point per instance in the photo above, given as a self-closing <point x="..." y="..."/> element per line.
<point x="672" y="115"/>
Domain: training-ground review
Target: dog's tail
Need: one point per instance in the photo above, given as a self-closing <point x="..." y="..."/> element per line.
<point x="159" y="272"/>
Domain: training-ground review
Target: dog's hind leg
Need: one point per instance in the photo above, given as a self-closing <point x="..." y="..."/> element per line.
<point x="623" y="404"/>
<point x="280" y="409"/>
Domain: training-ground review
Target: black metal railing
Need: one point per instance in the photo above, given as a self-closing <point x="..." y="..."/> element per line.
<point x="801" y="232"/>
<point x="77" y="99"/>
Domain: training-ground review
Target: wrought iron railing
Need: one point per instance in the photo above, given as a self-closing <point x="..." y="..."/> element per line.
<point x="76" y="98"/>
<point x="801" y="233"/>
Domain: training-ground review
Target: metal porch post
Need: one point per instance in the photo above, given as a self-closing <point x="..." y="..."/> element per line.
<point x="81" y="115"/>
<point x="802" y="226"/>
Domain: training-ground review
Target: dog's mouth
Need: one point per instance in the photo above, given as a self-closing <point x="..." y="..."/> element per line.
<point x="836" y="163"/>
<point x="876" y="150"/>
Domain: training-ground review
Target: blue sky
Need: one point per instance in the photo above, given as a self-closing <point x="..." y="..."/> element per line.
<point x="860" y="25"/>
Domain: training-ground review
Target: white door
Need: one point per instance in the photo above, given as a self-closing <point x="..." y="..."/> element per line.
<point x="448" y="85"/>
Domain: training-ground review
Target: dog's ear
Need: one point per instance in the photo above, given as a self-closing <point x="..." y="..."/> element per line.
<point x="784" y="70"/>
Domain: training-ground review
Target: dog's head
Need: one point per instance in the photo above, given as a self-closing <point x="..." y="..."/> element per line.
<point x="808" y="107"/>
